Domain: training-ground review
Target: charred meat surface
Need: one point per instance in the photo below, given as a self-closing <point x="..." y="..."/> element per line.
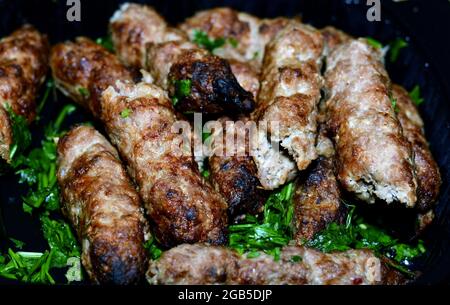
<point x="373" y="157"/>
<point x="84" y="69"/>
<point x="317" y="201"/>
<point x="103" y="207"/>
<point x="139" y="119"/>
<point x="202" y="264"/>
<point x="142" y="38"/>
<point x="427" y="171"/>
<point x="23" y="66"/>
<point x="233" y="171"/>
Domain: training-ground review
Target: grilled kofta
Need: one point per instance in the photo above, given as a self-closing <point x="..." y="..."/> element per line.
<point x="203" y="264"/>
<point x="103" y="207"/>
<point x="23" y="66"/>
<point x="427" y="171"/>
<point x="289" y="95"/>
<point x="233" y="172"/>
<point x="196" y="80"/>
<point x="374" y="159"/>
<point x="138" y="118"/>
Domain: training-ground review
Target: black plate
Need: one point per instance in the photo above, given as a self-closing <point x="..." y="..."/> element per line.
<point x="425" y="62"/>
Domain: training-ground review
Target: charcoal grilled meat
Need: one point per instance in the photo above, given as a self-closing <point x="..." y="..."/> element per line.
<point x="373" y="157"/>
<point x="289" y="95"/>
<point x="138" y="118"/>
<point x="23" y="67"/>
<point x="103" y="207"/>
<point x="233" y="172"/>
<point x="203" y="264"/>
<point x="245" y="36"/>
<point x="143" y="39"/>
<point x="83" y="70"/>
<point x="317" y="201"/>
<point x="426" y="169"/>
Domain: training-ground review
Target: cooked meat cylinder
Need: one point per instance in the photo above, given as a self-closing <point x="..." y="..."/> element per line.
<point x="195" y="79"/>
<point x="289" y="95"/>
<point x="23" y="66"/>
<point x="83" y="70"/>
<point x="181" y="207"/>
<point x="103" y="207"/>
<point x="427" y="171"/>
<point x="202" y="264"/>
<point x="245" y="36"/>
<point x="317" y="201"/>
<point x="246" y="75"/>
<point x="373" y="157"/>
<point x="138" y="118"/>
<point x="233" y="171"/>
<point x="333" y="37"/>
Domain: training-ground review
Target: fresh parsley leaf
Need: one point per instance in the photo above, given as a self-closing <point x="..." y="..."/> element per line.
<point x="271" y="232"/>
<point x="374" y="43"/>
<point x="255" y="55"/>
<point x="415" y="95"/>
<point x="395" y="47"/>
<point x="357" y="234"/>
<point x="296" y="259"/>
<point x="153" y="248"/>
<point x="203" y="41"/>
<point x="21" y="136"/>
<point x="84" y="92"/>
<point x="125" y="113"/>
<point x="49" y="87"/>
<point x="17" y="243"/>
<point x="61" y="240"/>
<point x="233" y="42"/>
<point x="182" y="90"/>
<point x="206" y="173"/>
<point x="394" y="104"/>
<point x="106" y="42"/>
<point x="205" y="136"/>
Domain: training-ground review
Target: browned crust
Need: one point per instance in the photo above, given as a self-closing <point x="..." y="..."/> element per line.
<point x="427" y="171"/>
<point x="23" y="66"/>
<point x="138" y="30"/>
<point x="374" y="158"/>
<point x="102" y="206"/>
<point x="317" y="201"/>
<point x="203" y="264"/>
<point x="85" y="65"/>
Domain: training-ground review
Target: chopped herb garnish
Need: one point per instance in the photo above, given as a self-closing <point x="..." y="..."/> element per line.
<point x="394" y="104"/>
<point x="106" y="42"/>
<point x="153" y="248"/>
<point x="415" y="95"/>
<point x="296" y="259"/>
<point x="395" y="47"/>
<point x="205" y="136"/>
<point x="49" y="86"/>
<point x="182" y="90"/>
<point x="84" y="92"/>
<point x="17" y="243"/>
<point x="271" y="232"/>
<point x="21" y="136"/>
<point x="233" y="42"/>
<point x="203" y="41"/>
<point x="255" y="55"/>
<point x="125" y="113"/>
<point x="206" y="173"/>
<point x="356" y="234"/>
<point x="374" y="43"/>
<point x="38" y="169"/>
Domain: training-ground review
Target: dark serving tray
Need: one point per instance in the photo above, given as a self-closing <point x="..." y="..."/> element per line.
<point x="425" y="62"/>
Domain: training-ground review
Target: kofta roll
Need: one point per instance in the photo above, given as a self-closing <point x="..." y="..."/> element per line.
<point x="138" y="119"/>
<point x="83" y="69"/>
<point x="196" y="80"/>
<point x="232" y="170"/>
<point x="23" y="67"/>
<point x="374" y="159"/>
<point x="103" y="207"/>
<point x="203" y="264"/>
<point x="289" y="95"/>
<point x="244" y="36"/>
<point x="180" y="205"/>
<point x="427" y="171"/>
